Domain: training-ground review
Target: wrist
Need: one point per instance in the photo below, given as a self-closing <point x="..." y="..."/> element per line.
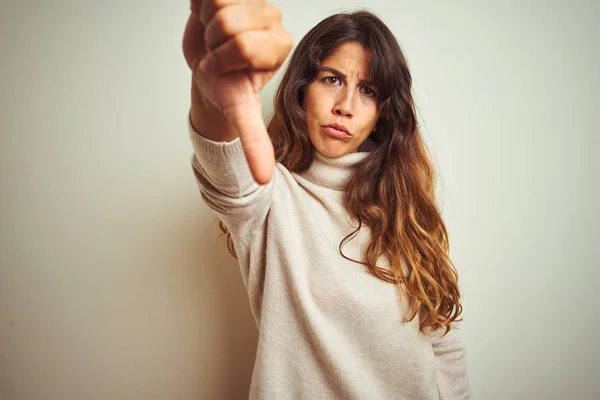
<point x="208" y="121"/>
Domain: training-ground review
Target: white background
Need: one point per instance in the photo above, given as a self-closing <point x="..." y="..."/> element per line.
<point x="112" y="283"/>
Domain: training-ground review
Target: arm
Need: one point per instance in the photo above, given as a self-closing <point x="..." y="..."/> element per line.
<point x="233" y="49"/>
<point x="205" y="118"/>
<point x="224" y="178"/>
<point x="227" y="186"/>
<point x="451" y="365"/>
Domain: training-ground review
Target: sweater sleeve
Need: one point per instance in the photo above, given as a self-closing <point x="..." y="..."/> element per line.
<point x="226" y="183"/>
<point x="227" y="187"/>
<point x="451" y="366"/>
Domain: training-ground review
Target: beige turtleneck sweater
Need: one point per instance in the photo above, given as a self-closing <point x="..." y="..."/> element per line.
<point x="327" y="328"/>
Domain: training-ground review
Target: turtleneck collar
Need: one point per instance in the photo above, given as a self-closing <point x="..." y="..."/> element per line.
<point x="334" y="173"/>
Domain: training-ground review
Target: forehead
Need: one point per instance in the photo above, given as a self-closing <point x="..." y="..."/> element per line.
<point x="351" y="58"/>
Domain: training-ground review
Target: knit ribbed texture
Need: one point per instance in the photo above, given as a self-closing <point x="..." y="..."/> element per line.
<point x="327" y="328"/>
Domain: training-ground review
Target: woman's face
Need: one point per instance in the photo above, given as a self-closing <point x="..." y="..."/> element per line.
<point x="341" y="95"/>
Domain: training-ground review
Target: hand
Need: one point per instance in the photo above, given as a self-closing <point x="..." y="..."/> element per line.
<point x="234" y="47"/>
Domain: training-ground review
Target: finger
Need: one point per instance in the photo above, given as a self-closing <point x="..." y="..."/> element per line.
<point x="208" y="8"/>
<point x="233" y="20"/>
<point x="256" y="142"/>
<point x="257" y="50"/>
<point x="193" y="42"/>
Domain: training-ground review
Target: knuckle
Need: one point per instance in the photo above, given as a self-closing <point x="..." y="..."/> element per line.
<point x="222" y="21"/>
<point x="288" y="40"/>
<point x="243" y="46"/>
<point x="284" y="41"/>
<point x="273" y="12"/>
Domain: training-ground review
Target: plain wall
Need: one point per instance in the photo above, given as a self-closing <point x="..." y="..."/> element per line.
<point x="112" y="283"/>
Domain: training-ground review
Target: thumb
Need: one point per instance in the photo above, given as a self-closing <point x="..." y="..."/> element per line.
<point x="255" y="140"/>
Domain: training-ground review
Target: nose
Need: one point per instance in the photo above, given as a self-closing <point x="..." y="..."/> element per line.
<point x="344" y="104"/>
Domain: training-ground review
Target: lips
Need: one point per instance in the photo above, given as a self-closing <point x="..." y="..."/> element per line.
<point x="336" y="133"/>
<point x="341" y="128"/>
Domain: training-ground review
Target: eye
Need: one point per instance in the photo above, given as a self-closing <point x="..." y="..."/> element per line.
<point x="331" y="80"/>
<point x="369" y="92"/>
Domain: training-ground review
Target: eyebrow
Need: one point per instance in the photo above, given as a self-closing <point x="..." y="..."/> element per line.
<point x="339" y="74"/>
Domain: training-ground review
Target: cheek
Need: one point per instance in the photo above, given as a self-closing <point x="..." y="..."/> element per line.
<point x="316" y="96"/>
<point x="313" y="108"/>
<point x="310" y="112"/>
<point x="373" y="114"/>
<point x="370" y="121"/>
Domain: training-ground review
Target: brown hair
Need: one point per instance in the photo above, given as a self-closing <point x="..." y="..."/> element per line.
<point x="392" y="190"/>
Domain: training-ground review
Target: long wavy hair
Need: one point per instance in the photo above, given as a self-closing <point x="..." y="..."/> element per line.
<point x="393" y="189"/>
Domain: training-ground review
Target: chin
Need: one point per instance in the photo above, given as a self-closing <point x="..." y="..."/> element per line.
<point x="333" y="153"/>
<point x="332" y="148"/>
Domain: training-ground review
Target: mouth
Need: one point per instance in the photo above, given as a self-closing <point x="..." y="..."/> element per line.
<point x="338" y="131"/>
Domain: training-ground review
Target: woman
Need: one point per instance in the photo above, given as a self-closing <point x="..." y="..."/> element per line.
<point x="330" y="210"/>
